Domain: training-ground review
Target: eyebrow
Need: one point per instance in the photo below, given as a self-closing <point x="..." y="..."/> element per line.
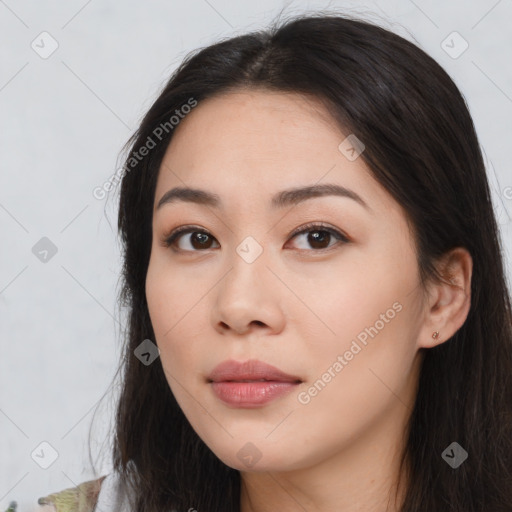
<point x="282" y="199"/>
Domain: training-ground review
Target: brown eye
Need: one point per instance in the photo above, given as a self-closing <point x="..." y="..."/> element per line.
<point x="319" y="236"/>
<point x="199" y="239"/>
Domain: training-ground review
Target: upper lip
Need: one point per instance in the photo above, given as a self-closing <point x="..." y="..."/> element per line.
<point x="249" y="370"/>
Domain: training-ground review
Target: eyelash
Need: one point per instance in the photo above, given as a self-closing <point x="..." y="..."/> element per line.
<point x="169" y="239"/>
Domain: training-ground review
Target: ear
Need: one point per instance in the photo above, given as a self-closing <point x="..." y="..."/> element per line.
<point x="448" y="302"/>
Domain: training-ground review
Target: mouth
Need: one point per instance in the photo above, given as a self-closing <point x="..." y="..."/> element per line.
<point x="250" y="384"/>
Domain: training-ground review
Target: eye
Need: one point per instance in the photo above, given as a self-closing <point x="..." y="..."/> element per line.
<point x="201" y="239"/>
<point x="318" y="236"/>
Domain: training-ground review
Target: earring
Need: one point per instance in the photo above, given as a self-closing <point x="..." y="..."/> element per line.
<point x="435" y="335"/>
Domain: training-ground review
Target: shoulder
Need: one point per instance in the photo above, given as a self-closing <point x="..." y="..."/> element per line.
<point x="82" y="498"/>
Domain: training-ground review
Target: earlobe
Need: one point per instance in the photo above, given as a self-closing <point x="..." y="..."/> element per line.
<point x="449" y="300"/>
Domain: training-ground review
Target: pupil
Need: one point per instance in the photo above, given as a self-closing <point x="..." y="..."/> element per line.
<point x="315" y="238"/>
<point x="201" y="237"/>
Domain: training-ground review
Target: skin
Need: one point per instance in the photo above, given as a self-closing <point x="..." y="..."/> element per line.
<point x="297" y="306"/>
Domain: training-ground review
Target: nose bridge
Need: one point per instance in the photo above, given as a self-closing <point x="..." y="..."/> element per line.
<point x="247" y="263"/>
<point x="249" y="231"/>
<point x="250" y="250"/>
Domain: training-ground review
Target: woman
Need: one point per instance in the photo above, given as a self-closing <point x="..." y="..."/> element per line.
<point x="319" y="318"/>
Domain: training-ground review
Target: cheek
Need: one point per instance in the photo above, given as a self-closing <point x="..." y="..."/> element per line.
<point x="370" y="312"/>
<point x="174" y="304"/>
<point x="365" y="285"/>
<point x="365" y="370"/>
<point x="166" y="295"/>
<point x="370" y="330"/>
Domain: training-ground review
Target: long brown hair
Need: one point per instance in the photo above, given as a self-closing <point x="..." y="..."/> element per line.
<point x="421" y="146"/>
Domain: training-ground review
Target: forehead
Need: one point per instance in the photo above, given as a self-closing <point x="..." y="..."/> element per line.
<point x="249" y="116"/>
<point x="258" y="142"/>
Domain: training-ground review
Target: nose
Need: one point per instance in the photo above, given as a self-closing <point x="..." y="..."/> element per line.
<point x="248" y="299"/>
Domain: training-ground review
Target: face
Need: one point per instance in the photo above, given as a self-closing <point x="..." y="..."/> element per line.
<point x="324" y="288"/>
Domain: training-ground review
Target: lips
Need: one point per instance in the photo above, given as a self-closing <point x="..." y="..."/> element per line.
<point x="249" y="371"/>
<point x="250" y="384"/>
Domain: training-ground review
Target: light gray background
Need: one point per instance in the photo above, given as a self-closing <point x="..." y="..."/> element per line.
<point x="63" y="121"/>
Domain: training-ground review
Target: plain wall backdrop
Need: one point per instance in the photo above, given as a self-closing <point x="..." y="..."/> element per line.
<point x="76" y="77"/>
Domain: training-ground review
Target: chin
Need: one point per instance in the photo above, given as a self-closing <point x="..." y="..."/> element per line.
<point x="255" y="456"/>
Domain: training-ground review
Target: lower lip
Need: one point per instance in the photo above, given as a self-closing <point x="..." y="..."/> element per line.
<point x="251" y="394"/>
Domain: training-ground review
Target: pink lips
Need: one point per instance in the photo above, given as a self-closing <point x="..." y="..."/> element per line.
<point x="250" y="384"/>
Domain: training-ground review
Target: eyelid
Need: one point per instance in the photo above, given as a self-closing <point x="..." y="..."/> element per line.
<point x="319" y="226"/>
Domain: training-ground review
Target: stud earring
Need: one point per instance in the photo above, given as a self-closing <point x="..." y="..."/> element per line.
<point x="435" y="335"/>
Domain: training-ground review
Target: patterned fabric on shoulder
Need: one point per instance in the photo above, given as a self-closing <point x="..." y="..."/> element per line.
<point x="82" y="498"/>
